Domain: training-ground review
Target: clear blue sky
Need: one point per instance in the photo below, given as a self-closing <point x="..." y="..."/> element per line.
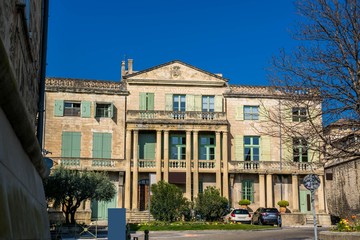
<point x="88" y="39"/>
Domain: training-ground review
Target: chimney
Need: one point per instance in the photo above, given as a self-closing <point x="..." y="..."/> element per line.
<point x="122" y="69"/>
<point x="130" y="66"/>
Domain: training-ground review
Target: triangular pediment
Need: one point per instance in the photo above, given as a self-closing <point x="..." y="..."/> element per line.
<point x="175" y="72"/>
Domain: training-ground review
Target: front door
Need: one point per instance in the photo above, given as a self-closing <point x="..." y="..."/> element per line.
<point x="144" y="194"/>
<point x="99" y="209"/>
<point x="305" y="201"/>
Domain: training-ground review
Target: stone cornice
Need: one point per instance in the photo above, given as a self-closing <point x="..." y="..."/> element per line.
<point x="84" y="86"/>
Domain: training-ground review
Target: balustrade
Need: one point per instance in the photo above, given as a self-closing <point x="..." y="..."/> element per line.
<point x="175" y="115"/>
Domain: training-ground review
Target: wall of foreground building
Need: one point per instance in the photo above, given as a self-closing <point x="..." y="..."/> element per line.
<point x="22" y="201"/>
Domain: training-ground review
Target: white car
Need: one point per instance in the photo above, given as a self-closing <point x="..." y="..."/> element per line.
<point x="238" y="215"/>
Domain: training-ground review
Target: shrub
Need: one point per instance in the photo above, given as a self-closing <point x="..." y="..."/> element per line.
<point x="283" y="203"/>
<point x="244" y="202"/>
<point x="167" y="202"/>
<point x="210" y="205"/>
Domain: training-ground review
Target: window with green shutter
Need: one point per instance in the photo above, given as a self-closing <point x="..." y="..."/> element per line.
<point x="178" y="146"/>
<point x="59" y="108"/>
<point x="207" y="147"/>
<point x="102" y="145"/>
<point x="70" y="144"/>
<point x="247" y="190"/>
<point x="208" y="103"/>
<point x="251" y="112"/>
<point x="146" y="101"/>
<point x="85" y="109"/>
<point x="105" y="110"/>
<point x="300" y="150"/>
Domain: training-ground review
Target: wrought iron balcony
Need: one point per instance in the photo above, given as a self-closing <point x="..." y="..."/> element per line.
<point x="137" y="115"/>
<point x="284" y="167"/>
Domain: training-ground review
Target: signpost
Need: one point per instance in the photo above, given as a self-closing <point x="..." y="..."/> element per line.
<point x="312" y="182"/>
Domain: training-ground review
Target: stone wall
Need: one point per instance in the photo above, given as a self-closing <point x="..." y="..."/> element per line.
<point x="343" y="188"/>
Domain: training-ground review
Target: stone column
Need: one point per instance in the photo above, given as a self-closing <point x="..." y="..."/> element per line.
<point x="158" y="155"/>
<point x="321" y="197"/>
<point x="196" y="163"/>
<point x="135" y="170"/>
<point x="262" y="189"/>
<point x="295" y="192"/>
<point x="269" y="191"/>
<point x="166" y="156"/>
<point x="128" y="170"/>
<point x="120" y="202"/>
<point x="225" y="165"/>
<point x="188" y="165"/>
<point x="218" y="161"/>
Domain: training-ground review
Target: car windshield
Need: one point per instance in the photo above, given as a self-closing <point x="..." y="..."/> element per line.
<point x="272" y="210"/>
<point x="241" y="211"/>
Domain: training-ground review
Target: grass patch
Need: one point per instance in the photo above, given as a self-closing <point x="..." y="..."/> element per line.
<point x="181" y="226"/>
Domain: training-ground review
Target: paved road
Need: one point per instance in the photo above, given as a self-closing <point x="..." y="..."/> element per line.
<point x="298" y="233"/>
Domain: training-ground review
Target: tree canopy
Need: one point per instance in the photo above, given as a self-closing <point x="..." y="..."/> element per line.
<point x="210" y="205"/>
<point x="322" y="75"/>
<point x="69" y="188"/>
<point x="167" y="202"/>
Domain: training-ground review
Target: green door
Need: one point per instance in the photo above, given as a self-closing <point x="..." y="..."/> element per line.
<point x="99" y="209"/>
<point x="305" y="201"/>
<point x="147" y="144"/>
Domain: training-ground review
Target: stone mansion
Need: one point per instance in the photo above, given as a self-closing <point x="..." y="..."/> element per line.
<point x="181" y="124"/>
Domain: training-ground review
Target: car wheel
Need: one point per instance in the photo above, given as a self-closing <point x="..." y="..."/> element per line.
<point x="259" y="222"/>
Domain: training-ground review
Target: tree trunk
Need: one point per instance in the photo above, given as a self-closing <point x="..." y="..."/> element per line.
<point x="67" y="219"/>
<point x="72" y="213"/>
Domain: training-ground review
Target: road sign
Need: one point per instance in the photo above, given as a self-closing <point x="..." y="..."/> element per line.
<point x="311" y="182"/>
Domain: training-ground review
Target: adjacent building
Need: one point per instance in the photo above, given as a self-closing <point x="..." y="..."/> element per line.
<point x="22" y="200"/>
<point x="186" y="126"/>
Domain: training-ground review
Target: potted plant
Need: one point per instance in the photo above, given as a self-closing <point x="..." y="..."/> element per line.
<point x="283" y="204"/>
<point x="244" y="203"/>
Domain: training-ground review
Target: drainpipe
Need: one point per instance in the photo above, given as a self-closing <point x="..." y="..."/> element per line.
<point x="44" y="32"/>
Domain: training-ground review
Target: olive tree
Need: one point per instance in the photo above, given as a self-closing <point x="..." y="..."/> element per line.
<point x="69" y="188"/>
<point x="167" y="202"/>
<point x="210" y="205"/>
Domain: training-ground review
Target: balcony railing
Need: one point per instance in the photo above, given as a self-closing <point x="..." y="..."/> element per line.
<point x="90" y="163"/>
<point x="177" y="164"/>
<point x="174" y="115"/>
<point x="276" y="167"/>
<point x="206" y="164"/>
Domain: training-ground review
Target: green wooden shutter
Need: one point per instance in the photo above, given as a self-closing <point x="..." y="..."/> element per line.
<point x="85" y="109"/>
<point x="265" y="148"/>
<point x="190" y="100"/>
<point x="239" y="113"/>
<point x="287" y="149"/>
<point x="142" y="101"/>
<point x="168" y="102"/>
<point x="97" y="145"/>
<point x="76" y="144"/>
<point x="263" y="113"/>
<point x="150" y="97"/>
<point x="239" y="148"/>
<point x="111" y="111"/>
<point x="106" y="145"/>
<point x="198" y="102"/>
<point x="218" y="103"/>
<point x="59" y="108"/>
<point x="71" y="143"/>
<point x="66" y="144"/>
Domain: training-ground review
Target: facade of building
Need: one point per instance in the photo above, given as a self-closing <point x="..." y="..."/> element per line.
<point x="342" y="175"/>
<point x="181" y="124"/>
<point x="22" y="200"/>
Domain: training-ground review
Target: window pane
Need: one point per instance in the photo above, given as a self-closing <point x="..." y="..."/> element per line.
<point x="255" y="140"/>
<point x="247" y="140"/>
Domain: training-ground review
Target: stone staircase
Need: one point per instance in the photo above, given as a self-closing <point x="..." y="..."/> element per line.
<point x="309" y="219"/>
<point x="138" y="216"/>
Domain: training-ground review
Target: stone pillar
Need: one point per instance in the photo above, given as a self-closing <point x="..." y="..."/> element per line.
<point x="218" y="161"/>
<point x="295" y="192"/>
<point x="321" y="196"/>
<point x="232" y="195"/>
<point x="128" y="170"/>
<point x="188" y="165"/>
<point x="225" y="165"/>
<point x="262" y="189"/>
<point x="158" y="155"/>
<point x="120" y="203"/>
<point x="196" y="164"/>
<point x="166" y="156"/>
<point x="135" y="170"/>
<point x="269" y="191"/>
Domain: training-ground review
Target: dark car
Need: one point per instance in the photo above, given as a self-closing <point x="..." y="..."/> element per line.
<point x="266" y="216"/>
